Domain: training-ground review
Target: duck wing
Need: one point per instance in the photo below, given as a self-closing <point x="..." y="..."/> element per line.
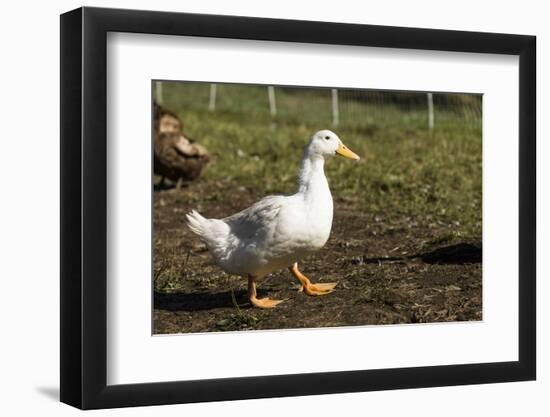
<point x="257" y="222"/>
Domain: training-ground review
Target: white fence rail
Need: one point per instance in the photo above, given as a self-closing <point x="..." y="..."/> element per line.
<point x="272" y="102"/>
<point x="335" y="107"/>
<point x="212" y="98"/>
<point x="158" y="92"/>
<point x="431" y="119"/>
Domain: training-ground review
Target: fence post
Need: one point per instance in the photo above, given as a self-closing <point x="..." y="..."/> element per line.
<point x="158" y="92"/>
<point x="335" y="110"/>
<point x="430" y="111"/>
<point x="272" y="102"/>
<point x="212" y="101"/>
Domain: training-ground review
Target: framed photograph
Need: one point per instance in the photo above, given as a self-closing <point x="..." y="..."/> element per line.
<point x="257" y="208"/>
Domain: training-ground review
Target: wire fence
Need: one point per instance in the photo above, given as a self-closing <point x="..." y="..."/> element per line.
<point x="328" y="106"/>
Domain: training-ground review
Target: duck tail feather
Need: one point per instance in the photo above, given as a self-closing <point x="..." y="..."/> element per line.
<point x="213" y="232"/>
<point x="197" y="223"/>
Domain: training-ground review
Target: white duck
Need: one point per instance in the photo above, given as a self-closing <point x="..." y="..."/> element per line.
<point x="280" y="230"/>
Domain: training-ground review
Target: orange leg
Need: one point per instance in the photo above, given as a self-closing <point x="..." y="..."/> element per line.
<point x="262" y="302"/>
<point x="307" y="286"/>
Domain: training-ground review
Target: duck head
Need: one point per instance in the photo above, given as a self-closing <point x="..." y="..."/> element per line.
<point x="327" y="143"/>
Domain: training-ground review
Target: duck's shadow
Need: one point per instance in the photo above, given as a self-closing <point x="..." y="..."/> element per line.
<point x="163" y="187"/>
<point x="458" y="254"/>
<point x="201" y="300"/>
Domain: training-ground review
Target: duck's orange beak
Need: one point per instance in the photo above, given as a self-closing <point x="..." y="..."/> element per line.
<point x="346" y="152"/>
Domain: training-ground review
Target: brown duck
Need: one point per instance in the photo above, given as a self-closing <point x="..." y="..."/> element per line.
<point x="175" y="157"/>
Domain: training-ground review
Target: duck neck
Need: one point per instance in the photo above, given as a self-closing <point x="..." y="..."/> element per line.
<point x="312" y="175"/>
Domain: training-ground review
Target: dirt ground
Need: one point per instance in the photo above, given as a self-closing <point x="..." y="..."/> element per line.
<point x="388" y="270"/>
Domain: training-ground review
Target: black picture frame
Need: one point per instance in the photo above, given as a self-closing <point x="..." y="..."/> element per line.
<point x="84" y="207"/>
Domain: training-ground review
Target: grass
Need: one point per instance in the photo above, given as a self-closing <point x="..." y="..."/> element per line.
<point x="433" y="177"/>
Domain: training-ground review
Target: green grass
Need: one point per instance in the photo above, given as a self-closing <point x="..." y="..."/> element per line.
<point x="406" y="169"/>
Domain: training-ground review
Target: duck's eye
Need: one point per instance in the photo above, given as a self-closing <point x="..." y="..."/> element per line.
<point x="327" y="137"/>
